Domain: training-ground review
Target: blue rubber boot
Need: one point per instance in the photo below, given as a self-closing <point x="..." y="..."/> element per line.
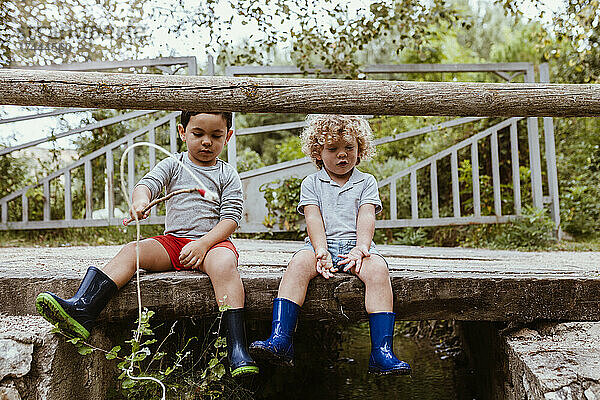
<point x="278" y="349"/>
<point x="77" y="315"/>
<point x="382" y="360"/>
<point x="240" y="362"/>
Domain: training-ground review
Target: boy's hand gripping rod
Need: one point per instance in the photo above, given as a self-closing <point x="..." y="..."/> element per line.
<point x="202" y="192"/>
<point x="201" y="188"/>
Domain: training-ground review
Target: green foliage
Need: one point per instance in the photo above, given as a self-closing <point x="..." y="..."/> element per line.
<point x="412" y="237"/>
<point x="289" y="149"/>
<point x="13" y="169"/>
<point x="39" y="32"/>
<point x="581" y="209"/>
<point x="146" y="358"/>
<point x="578" y="151"/>
<point x="91" y="236"/>
<point x="281" y="198"/>
<point x="532" y="231"/>
<point x="335" y="34"/>
<point x="248" y="160"/>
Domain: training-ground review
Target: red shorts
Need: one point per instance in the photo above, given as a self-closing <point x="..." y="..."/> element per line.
<point x="174" y="244"/>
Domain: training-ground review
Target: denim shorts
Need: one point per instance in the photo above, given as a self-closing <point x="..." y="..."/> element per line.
<point x="337" y="247"/>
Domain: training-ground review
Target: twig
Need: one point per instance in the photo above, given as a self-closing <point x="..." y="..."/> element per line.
<point x="165" y="198"/>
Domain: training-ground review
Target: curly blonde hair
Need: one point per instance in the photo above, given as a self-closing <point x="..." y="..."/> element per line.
<point x="327" y="128"/>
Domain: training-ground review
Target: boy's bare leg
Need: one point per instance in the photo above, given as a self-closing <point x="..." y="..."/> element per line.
<point x="220" y="264"/>
<point x="153" y="257"/>
<point x="378" y="287"/>
<point x="298" y="275"/>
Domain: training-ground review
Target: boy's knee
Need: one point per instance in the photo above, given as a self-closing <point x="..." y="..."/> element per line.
<point x="300" y="263"/>
<point x="301" y="266"/>
<point x="376" y="270"/>
<point x="220" y="263"/>
<point x="127" y="251"/>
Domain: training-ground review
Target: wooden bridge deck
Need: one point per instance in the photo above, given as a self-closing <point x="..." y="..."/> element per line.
<point x="429" y="283"/>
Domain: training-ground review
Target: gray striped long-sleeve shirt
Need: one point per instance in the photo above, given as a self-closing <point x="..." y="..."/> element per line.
<point x="191" y="215"/>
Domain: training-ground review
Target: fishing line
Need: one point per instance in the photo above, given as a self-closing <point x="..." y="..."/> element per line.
<point x="201" y="188"/>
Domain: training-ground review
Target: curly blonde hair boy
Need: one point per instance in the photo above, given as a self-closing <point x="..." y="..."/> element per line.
<point x="327" y="128"/>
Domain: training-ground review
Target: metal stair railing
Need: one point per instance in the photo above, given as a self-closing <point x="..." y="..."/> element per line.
<point x="86" y="162"/>
<point x="452" y="152"/>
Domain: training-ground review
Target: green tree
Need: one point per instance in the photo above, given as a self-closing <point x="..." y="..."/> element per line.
<point x="39" y="32"/>
<point x="334" y="34"/>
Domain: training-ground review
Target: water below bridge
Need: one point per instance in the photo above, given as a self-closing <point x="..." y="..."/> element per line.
<point x="342" y="373"/>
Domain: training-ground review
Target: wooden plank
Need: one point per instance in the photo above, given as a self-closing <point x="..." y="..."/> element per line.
<point x="393" y="201"/>
<point x="455" y="187"/>
<point x="475" y="176"/>
<point x="68" y="196"/>
<point x="24" y="208"/>
<point x="209" y="93"/>
<point x="435" y="212"/>
<point x="4" y="206"/>
<point x="516" y="174"/>
<point x="89" y="206"/>
<point x="535" y="158"/>
<point x="428" y="283"/>
<point x="109" y="200"/>
<point x="46" y="189"/>
<point x="414" y="205"/>
<point x="496" y="174"/>
<point x="172" y="135"/>
<point x="550" y="152"/>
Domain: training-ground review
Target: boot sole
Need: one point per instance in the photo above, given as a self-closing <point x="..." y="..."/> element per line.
<point x="53" y="312"/>
<point x="392" y="372"/>
<point x="258" y="353"/>
<point x="244" y="371"/>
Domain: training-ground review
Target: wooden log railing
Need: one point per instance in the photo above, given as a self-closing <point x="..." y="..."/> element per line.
<point x="209" y="93"/>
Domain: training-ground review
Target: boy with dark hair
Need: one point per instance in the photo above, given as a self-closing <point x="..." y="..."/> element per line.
<point x="197" y="231"/>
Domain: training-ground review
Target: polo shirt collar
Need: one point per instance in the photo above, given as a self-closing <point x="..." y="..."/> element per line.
<point x="356" y="177"/>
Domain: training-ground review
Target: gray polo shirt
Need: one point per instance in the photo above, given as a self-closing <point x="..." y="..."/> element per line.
<point x="191" y="215"/>
<point x="339" y="205"/>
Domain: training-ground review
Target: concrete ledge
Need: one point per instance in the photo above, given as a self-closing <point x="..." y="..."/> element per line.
<point x="428" y="283"/>
<point x="558" y="361"/>
<point x="39" y="365"/>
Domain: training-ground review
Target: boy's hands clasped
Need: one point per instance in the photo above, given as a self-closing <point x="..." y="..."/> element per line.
<point x="354" y="258"/>
<point x="324" y="263"/>
<point x="351" y="260"/>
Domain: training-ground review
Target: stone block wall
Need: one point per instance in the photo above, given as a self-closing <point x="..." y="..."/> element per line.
<point x="554" y="362"/>
<point x="36" y="364"/>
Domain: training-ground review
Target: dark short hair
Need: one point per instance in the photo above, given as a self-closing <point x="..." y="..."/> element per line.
<point x="186" y="115"/>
